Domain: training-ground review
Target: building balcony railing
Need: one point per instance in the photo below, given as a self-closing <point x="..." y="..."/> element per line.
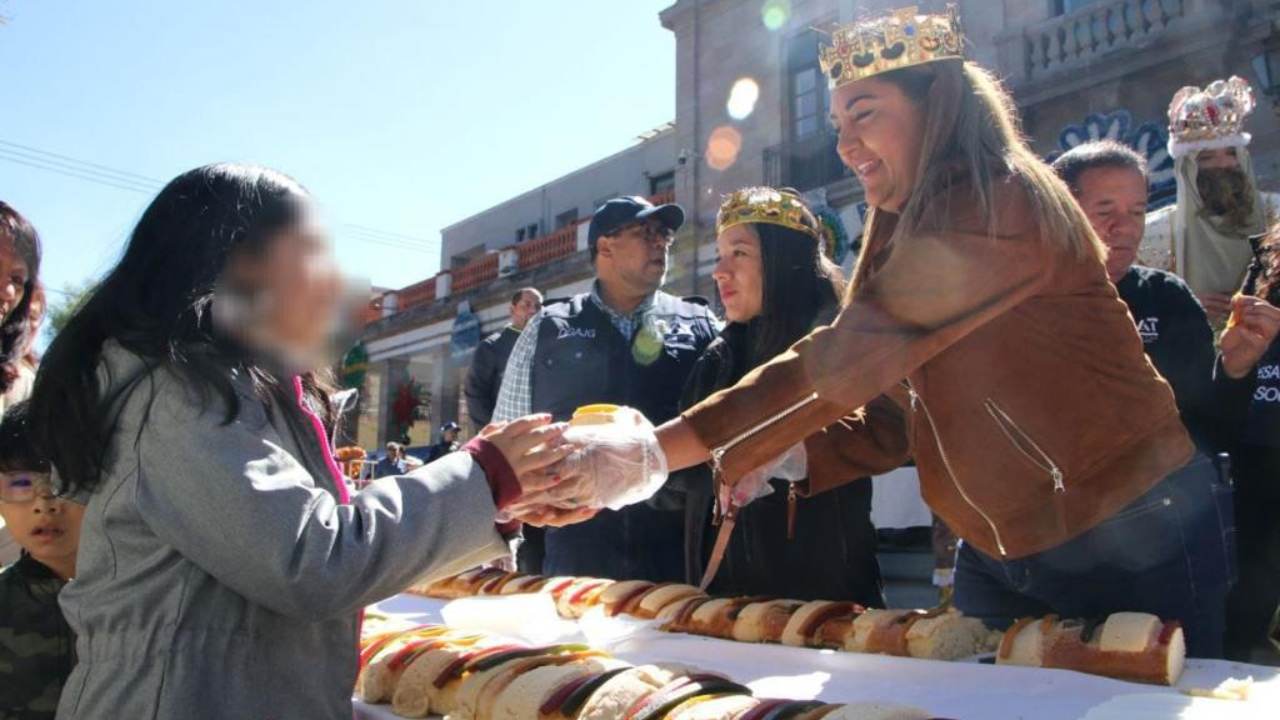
<point x="420" y="293"/>
<point x="804" y="165"/>
<point x="487" y="268"/>
<point x="549" y="248"/>
<point x="1076" y="39"/>
<point x="372" y="312"/>
<point x="475" y="273"/>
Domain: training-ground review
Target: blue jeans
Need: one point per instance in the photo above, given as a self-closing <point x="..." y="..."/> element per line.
<point x="1169" y="553"/>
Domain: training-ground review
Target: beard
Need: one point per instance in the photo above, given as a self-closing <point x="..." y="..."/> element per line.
<point x="1227" y="193"/>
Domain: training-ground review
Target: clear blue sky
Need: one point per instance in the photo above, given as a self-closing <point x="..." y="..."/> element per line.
<point x="400" y="115"/>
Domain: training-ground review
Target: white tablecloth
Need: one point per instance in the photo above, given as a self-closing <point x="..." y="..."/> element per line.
<point x="960" y="690"/>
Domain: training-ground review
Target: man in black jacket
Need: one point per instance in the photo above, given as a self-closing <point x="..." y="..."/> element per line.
<point x="485" y="378"/>
<point x="1110" y="182"/>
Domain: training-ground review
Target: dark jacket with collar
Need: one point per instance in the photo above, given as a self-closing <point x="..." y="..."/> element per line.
<point x="485" y="377"/>
<point x="581" y="358"/>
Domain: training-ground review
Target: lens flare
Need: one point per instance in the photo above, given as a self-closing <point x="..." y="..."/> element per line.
<point x="742" y="98"/>
<point x="775" y="13"/>
<point x="723" y="147"/>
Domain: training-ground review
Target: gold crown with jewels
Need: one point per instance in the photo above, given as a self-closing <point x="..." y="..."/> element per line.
<point x="767" y="205"/>
<point x="1210" y="118"/>
<point x="900" y="39"/>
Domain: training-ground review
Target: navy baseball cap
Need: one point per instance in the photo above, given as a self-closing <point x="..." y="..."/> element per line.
<point x="622" y="211"/>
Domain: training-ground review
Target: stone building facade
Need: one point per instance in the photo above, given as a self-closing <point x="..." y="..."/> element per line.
<point x="1078" y="70"/>
<point x="751" y="108"/>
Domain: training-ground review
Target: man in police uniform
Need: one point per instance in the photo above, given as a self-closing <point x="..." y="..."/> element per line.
<point x="626" y="342"/>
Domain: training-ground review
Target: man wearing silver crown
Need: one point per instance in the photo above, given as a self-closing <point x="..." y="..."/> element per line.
<point x="1204" y="236"/>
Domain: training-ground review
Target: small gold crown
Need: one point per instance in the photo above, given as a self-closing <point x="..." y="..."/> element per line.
<point x="767" y="205"/>
<point x="1210" y="118"/>
<point x="893" y="41"/>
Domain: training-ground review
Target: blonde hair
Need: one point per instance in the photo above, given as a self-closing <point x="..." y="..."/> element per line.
<point x="971" y="129"/>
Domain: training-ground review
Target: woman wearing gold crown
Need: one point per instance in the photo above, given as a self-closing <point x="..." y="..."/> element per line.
<point x="1042" y="434"/>
<point x="776" y="285"/>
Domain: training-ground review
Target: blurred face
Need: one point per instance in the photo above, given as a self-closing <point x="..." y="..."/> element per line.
<point x="739" y="273"/>
<point x="524" y="310"/>
<point x="637" y="255"/>
<point x="1217" y="159"/>
<point x="880" y="132"/>
<point x="45" y="526"/>
<point x="1115" y="199"/>
<point x="450" y="436"/>
<point x="13" y="277"/>
<point x="300" y="286"/>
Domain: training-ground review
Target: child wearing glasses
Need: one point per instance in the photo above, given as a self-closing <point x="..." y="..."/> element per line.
<point x="36" y="645"/>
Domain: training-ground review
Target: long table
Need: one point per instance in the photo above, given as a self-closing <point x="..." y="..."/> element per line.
<point x="970" y="690"/>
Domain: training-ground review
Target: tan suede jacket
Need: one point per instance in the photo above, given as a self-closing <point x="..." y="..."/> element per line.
<point x="1033" y="413"/>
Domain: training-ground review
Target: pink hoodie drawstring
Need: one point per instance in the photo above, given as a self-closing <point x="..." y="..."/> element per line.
<point x="317" y="426"/>
<point x="339" y="480"/>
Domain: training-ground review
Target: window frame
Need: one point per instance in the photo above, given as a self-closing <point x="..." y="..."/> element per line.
<point x="662" y="183"/>
<point x="801" y="58"/>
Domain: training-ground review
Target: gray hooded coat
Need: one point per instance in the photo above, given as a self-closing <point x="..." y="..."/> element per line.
<point x="219" y="576"/>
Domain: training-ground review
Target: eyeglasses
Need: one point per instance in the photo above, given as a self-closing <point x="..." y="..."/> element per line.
<point x="650" y="232"/>
<point x="19" y="488"/>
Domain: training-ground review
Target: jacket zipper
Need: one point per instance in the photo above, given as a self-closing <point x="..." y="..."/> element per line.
<point x="717" y="454"/>
<point x="791" y="510"/>
<point x="946" y="463"/>
<point x="1044" y="462"/>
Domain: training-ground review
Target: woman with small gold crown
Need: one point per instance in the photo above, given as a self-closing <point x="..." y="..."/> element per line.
<point x="776" y="284"/>
<point x="1042" y="434"/>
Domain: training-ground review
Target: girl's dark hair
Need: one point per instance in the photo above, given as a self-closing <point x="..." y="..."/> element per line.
<point x="17" y="452"/>
<point x="800" y="283"/>
<point x="13" y="329"/>
<point x="157" y="303"/>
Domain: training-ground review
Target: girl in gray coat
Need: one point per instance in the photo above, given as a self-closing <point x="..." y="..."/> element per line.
<point x="222" y="565"/>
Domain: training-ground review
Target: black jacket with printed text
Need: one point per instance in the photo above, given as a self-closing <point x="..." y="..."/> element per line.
<point x="1177" y="337"/>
